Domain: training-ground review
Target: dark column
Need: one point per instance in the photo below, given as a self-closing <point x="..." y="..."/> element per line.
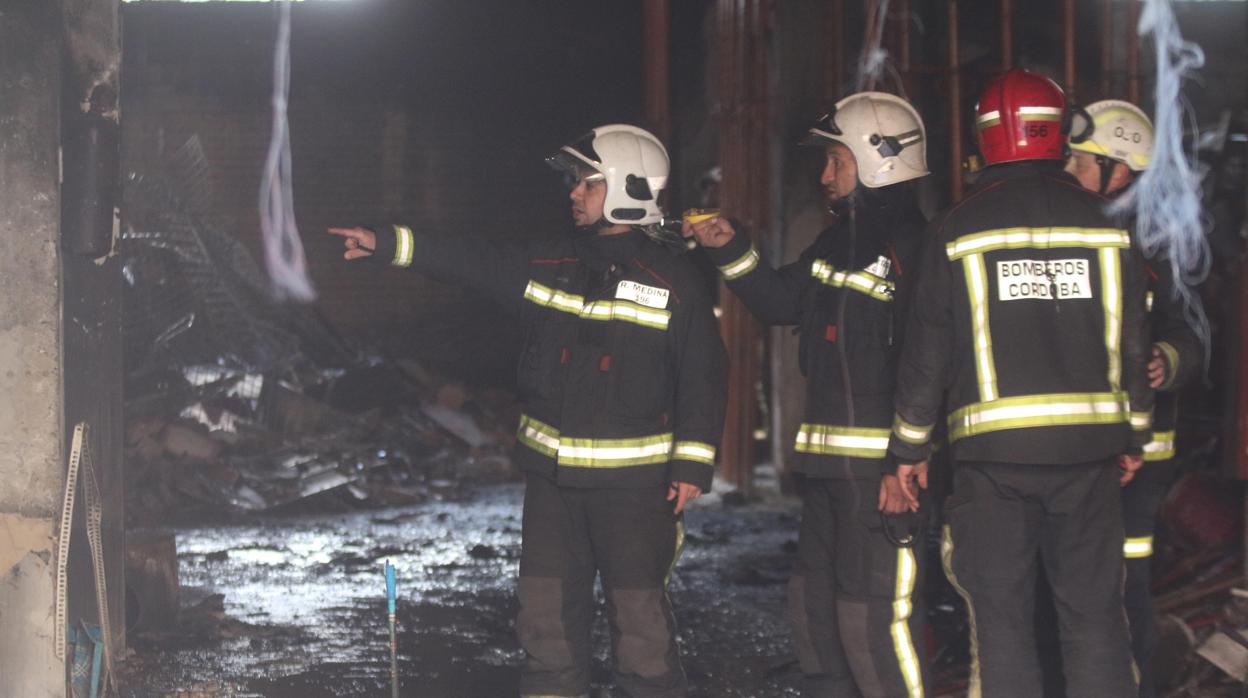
<point x="656" y="55"/>
<point x="742" y="35"/>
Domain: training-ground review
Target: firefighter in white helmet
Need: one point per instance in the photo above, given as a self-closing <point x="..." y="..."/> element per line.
<point x="1110" y="146"/>
<point x="1111" y="142"/>
<point x="852" y="596"/>
<point x="622" y="385"/>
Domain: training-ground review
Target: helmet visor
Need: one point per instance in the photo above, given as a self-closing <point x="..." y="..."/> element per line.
<point x="823" y="131"/>
<point x="573" y="169"/>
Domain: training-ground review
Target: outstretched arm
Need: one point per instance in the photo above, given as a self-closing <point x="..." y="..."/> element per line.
<point x="497" y="269"/>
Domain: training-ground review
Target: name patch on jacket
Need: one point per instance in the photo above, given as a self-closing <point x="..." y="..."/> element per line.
<point x="1043" y="279"/>
<point x="641" y="294"/>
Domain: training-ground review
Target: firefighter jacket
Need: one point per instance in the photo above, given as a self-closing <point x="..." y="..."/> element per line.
<point x="1180" y="348"/>
<point x="622" y="378"/>
<point x="843" y="296"/>
<point x="1029" y="312"/>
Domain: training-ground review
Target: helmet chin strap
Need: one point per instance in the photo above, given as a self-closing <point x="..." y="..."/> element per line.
<point x="1107" y="173"/>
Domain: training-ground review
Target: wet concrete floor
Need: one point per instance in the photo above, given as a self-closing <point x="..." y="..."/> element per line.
<point x="305" y="598"/>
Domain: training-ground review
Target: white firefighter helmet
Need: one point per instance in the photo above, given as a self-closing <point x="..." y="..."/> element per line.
<point x="884" y="133"/>
<point x="632" y="161"/>
<point x="1117" y="130"/>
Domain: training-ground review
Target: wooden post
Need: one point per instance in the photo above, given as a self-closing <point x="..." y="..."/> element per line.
<point x="903" y="37"/>
<point x="745" y="195"/>
<point x="1133" y="51"/>
<point x="152" y="574"/>
<point x="1007" y="35"/>
<point x="1107" y="54"/>
<point x="1235" y="424"/>
<point x="1068" y="37"/>
<point x="955" y="106"/>
<point x="834" y="51"/>
<point x="656" y="54"/>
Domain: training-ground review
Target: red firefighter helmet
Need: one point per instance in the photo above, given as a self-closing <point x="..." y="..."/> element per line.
<point x="1021" y="116"/>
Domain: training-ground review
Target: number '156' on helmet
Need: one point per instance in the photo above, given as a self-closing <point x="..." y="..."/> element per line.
<point x="1021" y="116"/>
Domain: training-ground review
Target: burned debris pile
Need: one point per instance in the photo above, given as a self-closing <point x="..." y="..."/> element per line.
<point x="237" y="404"/>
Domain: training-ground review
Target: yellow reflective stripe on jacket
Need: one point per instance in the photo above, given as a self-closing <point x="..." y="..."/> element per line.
<point x="552" y="298"/>
<point x="1140" y="421"/>
<point x="626" y="311"/>
<point x="1161" y="447"/>
<point x="1037" y="411"/>
<point x="909" y="433"/>
<point x="614" y="453"/>
<point x="981" y="333"/>
<point x="861" y="281"/>
<point x="404" y="246"/>
<point x="1038" y="238"/>
<point x="1111" y="297"/>
<point x="833" y="440"/>
<point x="1134" y="548"/>
<point x="538" y="435"/>
<point x="903" y="607"/>
<point x="1148" y="301"/>
<point x="695" y="451"/>
<point x="741" y="266"/>
<point x="603" y="453"/>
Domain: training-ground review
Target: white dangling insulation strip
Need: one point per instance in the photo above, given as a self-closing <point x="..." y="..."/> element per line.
<point x="1166" y="201"/>
<point x="873" y="59"/>
<point x="283" y="250"/>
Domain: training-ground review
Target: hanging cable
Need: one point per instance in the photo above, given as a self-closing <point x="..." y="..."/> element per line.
<point x="1166" y="200"/>
<point x="283" y="250"/>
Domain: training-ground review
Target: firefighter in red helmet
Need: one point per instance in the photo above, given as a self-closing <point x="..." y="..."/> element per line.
<point x="1029" y="320"/>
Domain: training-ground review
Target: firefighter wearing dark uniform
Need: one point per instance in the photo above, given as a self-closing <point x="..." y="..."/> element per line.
<point x="622" y="383"/>
<point x="1113" y="146"/>
<point x="852" y="600"/>
<point x="1029" y="317"/>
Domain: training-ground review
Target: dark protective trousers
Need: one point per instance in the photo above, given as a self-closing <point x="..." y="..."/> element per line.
<point x="852" y="597"/>
<point x="1141" y="502"/>
<point x="630" y="537"/>
<point x="1001" y="520"/>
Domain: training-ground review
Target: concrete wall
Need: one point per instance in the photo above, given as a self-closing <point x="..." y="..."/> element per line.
<point x="37" y="368"/>
<point x="30" y="375"/>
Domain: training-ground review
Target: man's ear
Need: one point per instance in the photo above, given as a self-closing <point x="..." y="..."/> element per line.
<point x="1120" y="177"/>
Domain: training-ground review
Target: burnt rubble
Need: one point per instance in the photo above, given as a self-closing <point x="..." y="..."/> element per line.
<point x="237" y="404"/>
